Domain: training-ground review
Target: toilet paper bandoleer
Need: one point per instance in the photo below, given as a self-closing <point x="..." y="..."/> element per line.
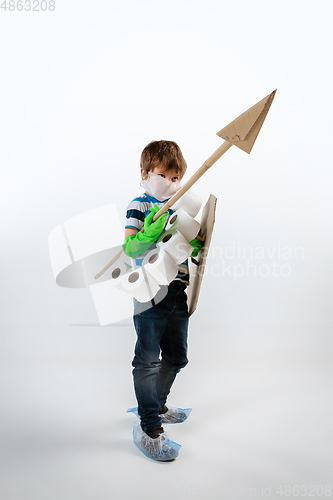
<point x="162" y="327"/>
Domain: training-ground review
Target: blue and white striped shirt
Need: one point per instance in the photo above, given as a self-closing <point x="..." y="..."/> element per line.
<point x="136" y="212"/>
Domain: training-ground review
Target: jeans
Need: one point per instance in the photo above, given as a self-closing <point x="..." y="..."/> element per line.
<point x="161" y="328"/>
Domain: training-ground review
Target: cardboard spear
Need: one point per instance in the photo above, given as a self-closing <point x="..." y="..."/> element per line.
<point x="241" y="132"/>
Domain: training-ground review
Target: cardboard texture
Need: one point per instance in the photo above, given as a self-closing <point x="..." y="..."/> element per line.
<point x="197" y="270"/>
<point x="243" y="131"/>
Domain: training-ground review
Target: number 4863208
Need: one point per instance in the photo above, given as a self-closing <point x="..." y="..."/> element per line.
<point x="33" y="5"/>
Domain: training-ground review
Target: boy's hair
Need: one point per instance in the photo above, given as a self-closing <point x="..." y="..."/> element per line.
<point x="163" y="153"/>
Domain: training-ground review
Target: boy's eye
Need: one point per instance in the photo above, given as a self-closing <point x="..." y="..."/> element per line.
<point x="162" y="175"/>
<point x="174" y="179"/>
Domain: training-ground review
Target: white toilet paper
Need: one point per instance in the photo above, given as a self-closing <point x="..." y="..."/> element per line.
<point x="184" y="223"/>
<point x="116" y="273"/>
<point x="160" y="266"/>
<point x="189" y="202"/>
<point x="174" y="243"/>
<point x="140" y="285"/>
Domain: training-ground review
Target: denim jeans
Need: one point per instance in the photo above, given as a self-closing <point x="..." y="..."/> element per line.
<point x="161" y="329"/>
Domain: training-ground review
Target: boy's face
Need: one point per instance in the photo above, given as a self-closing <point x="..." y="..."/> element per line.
<point x="170" y="175"/>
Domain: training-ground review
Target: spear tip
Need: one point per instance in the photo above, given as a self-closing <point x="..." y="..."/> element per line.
<point x="243" y="131"/>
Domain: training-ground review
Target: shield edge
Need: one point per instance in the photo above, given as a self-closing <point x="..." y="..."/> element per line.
<point x="197" y="269"/>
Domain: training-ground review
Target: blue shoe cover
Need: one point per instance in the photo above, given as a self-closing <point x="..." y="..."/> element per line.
<point x="175" y="415"/>
<point x="172" y="416"/>
<point x="133" y="410"/>
<point x="160" y="449"/>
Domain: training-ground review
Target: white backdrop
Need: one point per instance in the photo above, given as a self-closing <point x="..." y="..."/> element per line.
<point x="83" y="89"/>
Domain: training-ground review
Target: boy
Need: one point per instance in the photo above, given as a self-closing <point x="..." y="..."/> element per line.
<point x="163" y="325"/>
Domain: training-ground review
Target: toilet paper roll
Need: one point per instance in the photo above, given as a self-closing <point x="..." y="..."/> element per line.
<point x="189" y="202"/>
<point x="176" y="245"/>
<point x="184" y="223"/>
<point x="160" y="266"/>
<point x="116" y="273"/>
<point x="140" y="285"/>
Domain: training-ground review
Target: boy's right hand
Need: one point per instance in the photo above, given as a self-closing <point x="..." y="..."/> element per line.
<point x="136" y="244"/>
<point x="154" y="229"/>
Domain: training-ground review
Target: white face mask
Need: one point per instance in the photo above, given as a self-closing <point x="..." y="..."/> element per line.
<point x="159" y="187"/>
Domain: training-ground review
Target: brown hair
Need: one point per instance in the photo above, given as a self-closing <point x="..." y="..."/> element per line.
<point x="163" y="153"/>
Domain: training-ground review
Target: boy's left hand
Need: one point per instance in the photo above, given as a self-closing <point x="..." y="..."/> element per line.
<point x="196" y="244"/>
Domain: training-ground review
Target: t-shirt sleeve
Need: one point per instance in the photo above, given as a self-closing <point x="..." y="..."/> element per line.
<point x="135" y="215"/>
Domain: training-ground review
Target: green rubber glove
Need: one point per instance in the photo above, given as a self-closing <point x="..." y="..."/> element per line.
<point x="196" y="244"/>
<point x="154" y="229"/>
<point x="138" y="243"/>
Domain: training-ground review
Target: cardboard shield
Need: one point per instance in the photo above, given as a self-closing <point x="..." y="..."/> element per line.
<point x="197" y="266"/>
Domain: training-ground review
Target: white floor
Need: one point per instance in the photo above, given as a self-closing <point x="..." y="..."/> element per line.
<point x="260" y="420"/>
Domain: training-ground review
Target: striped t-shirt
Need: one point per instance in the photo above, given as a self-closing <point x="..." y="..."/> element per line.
<point x="136" y="212"/>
